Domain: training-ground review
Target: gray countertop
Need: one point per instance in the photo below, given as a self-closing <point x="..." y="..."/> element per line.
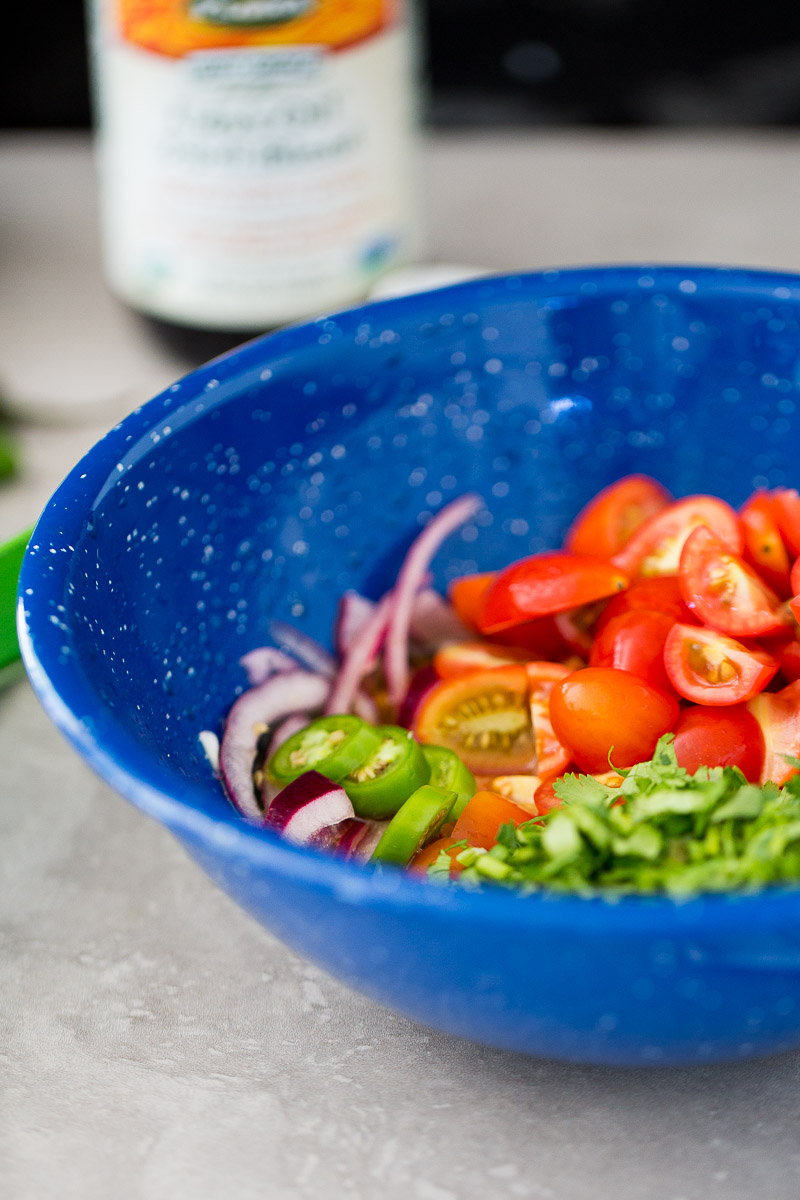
<point x="156" y="1043"/>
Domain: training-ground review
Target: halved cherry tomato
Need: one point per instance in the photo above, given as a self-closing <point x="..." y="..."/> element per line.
<point x="763" y="545"/>
<point x="545" y="797"/>
<point x="724" y="592"/>
<point x="608" y="522"/>
<point x="576" y="626"/>
<point x="465" y="658"/>
<point x="552" y="757"/>
<point x="789" y="657"/>
<point x="719" y="737"/>
<point x="540" y="638"/>
<point x="787" y="513"/>
<point x="428" y="855"/>
<point x="709" y="668"/>
<point x="778" y="714"/>
<point x="660" y="594"/>
<point x="484" y="717"/>
<point x="545" y="584"/>
<point x="480" y="821"/>
<point x="634" y="641"/>
<point x="466" y="595"/>
<point x="655" y="549"/>
<point x="600" y="709"/>
<point x="794" y="578"/>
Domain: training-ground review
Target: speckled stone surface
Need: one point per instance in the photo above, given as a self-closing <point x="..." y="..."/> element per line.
<point x="156" y="1043"/>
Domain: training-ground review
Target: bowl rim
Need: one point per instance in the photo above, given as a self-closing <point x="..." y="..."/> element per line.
<point x="73" y="706"/>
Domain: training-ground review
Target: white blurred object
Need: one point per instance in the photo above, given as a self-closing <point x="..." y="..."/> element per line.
<point x="423" y="278"/>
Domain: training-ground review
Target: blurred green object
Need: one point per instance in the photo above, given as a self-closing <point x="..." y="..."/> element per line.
<point x="8" y="456"/>
<point x="11" y="554"/>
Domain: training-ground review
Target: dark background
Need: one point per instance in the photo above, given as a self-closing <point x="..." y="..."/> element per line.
<point x="534" y="62"/>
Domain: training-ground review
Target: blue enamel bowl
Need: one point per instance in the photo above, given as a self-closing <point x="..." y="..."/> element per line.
<point x="268" y="481"/>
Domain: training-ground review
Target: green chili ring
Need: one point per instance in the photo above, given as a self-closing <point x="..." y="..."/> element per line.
<point x="387" y="777"/>
<point x="334" y="746"/>
<point x="419" y="820"/>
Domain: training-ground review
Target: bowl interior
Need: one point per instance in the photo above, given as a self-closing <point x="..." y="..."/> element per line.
<point x="269" y="481"/>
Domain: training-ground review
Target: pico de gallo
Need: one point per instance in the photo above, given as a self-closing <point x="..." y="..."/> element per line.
<point x="623" y="712"/>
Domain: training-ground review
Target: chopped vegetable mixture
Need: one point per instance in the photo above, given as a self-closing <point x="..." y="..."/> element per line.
<point x="618" y="715"/>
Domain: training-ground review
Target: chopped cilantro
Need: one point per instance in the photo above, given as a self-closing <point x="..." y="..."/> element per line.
<point x="661" y="831"/>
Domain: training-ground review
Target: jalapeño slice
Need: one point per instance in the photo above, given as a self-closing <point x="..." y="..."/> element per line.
<point x="388" y="776"/>
<point x="417" y="822"/>
<point x="333" y="746"/>
<point x="449" y="773"/>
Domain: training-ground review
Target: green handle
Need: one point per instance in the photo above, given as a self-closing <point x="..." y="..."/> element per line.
<point x="11" y="555"/>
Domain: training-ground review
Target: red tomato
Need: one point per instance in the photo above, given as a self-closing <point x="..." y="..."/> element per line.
<point x="608" y="522"/>
<point x="778" y="715"/>
<point x="763" y="544"/>
<point x="464" y="658"/>
<point x="577" y="625"/>
<point x="787" y="514"/>
<point x="719" y="737"/>
<point x="480" y="821"/>
<point x="552" y="757"/>
<point x="709" y="668"/>
<point x="789" y="656"/>
<point x="724" y="592"/>
<point x="466" y="595"/>
<point x="794" y="578"/>
<point x="600" y="708"/>
<point x="655" y="549"/>
<point x="634" y="641"/>
<point x="484" y="717"/>
<point x="540" y="638"/>
<point x="545" y="797"/>
<point x="661" y="594"/>
<point x="428" y="855"/>
<point x="545" y="584"/>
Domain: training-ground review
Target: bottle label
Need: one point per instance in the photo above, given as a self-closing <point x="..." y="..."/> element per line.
<point x="256" y="155"/>
<point x="180" y="27"/>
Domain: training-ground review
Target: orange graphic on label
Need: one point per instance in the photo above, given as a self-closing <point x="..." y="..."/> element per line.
<point x="179" y="27"/>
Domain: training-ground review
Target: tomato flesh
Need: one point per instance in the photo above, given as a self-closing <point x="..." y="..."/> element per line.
<point x="480" y="821"/>
<point x="778" y="715"/>
<point x="709" y="668"/>
<point x="719" y="737"/>
<point x="660" y="594"/>
<point x="546" y="584"/>
<point x="634" y="641"/>
<point x="428" y="855"/>
<point x="656" y="548"/>
<point x="787" y="513"/>
<point x="552" y="756"/>
<point x="484" y="717"/>
<point x="720" y="589"/>
<point x="465" y="658"/>
<point x="764" y="549"/>
<point x="789" y="656"/>
<point x="466" y="595"/>
<point x="600" y="709"/>
<point x="608" y="522"/>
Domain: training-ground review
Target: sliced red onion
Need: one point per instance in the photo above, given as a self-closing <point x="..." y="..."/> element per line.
<point x="307" y="807"/>
<point x="409" y="580"/>
<point x="353" y="611"/>
<point x="210" y="743"/>
<point x="304" y="648"/>
<point x="359" y="657"/>
<point x="358" y="839"/>
<point x="254" y="711"/>
<point x="434" y="622"/>
<point x="421" y="683"/>
<point x="288" y="728"/>
<point x="265" y="661"/>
